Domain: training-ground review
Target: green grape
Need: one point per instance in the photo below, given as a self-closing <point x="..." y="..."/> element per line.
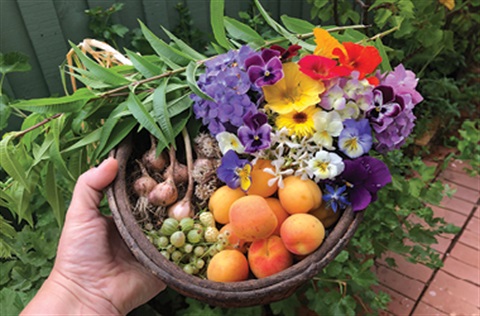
<point x="170" y="248"/>
<point x="200" y="263"/>
<point x="188" y="268"/>
<point x="176" y="256"/>
<point x="177" y="239"/>
<point x="199" y="227"/>
<point x="188" y="248"/>
<point x="186" y="224"/>
<point x="169" y="226"/>
<point x="161" y="242"/>
<point x="194" y="236"/>
<point x="199" y="251"/>
<point x="211" y="234"/>
<point x="207" y="219"/>
<point x="166" y="254"/>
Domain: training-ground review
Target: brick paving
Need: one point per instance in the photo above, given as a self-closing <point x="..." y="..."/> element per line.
<point x="453" y="289"/>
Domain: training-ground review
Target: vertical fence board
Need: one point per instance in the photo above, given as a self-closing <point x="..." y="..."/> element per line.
<point x="15" y="38"/>
<point x="200" y="13"/>
<point x="46" y="35"/>
<point x="232" y="7"/>
<point x="290" y="8"/>
<point x="73" y="20"/>
<point x="158" y="13"/>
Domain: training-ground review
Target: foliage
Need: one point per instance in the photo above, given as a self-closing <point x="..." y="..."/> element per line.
<point x="102" y="25"/>
<point x="468" y="145"/>
<point x="61" y="137"/>
<point x="186" y="30"/>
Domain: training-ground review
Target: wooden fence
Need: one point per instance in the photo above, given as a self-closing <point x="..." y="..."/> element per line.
<point x="41" y="29"/>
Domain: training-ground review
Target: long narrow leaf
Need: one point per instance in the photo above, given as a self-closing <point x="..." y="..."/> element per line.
<point x="192" y="81"/>
<point x="145" y="119"/>
<point x="71" y="103"/>
<point x="55" y="155"/>
<point x="184" y="46"/>
<point x="53" y="195"/>
<point x="161" y="111"/>
<point x="90" y="138"/>
<point x="172" y="57"/>
<point x="10" y="162"/>
<point x="274" y="24"/>
<point x="217" y="8"/>
<point x="241" y="31"/>
<point x="107" y="75"/>
<point x="385" y="65"/>
<point x="179" y="105"/>
<point x="119" y="132"/>
<point x="143" y="65"/>
<point x="296" y="25"/>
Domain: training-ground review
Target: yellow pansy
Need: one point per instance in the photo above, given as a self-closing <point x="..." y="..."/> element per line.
<point x="294" y="92"/>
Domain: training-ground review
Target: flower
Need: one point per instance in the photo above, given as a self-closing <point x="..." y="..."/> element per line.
<point x="321" y="68"/>
<point x="228" y="141"/>
<point x="356" y="138"/>
<point x="364" y="59"/>
<point x="235" y="172"/>
<point x="336" y="197"/>
<point x="385" y="108"/>
<point x="326" y="165"/>
<point x="278" y="172"/>
<point x="287" y="54"/>
<point x="364" y="177"/>
<point x="264" y="68"/>
<point x="295" y="91"/>
<point x="327" y="126"/>
<point x="326" y="43"/>
<point x="299" y="123"/>
<point x="403" y="82"/>
<point x="255" y="134"/>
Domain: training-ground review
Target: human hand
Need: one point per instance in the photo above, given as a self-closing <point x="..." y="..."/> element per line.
<point x="94" y="271"/>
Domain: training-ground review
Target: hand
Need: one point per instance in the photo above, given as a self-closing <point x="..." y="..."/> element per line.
<point x="94" y="271"/>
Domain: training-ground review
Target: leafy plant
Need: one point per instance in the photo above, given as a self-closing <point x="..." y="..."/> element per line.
<point x="468" y="145"/>
<point x="102" y="26"/>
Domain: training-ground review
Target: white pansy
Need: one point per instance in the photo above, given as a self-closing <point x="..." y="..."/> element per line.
<point x="326" y="165"/>
<point x="228" y="141"/>
<point x="327" y="126"/>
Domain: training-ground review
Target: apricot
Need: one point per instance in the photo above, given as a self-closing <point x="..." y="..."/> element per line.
<point x="268" y="256"/>
<point x="302" y="233"/>
<point x="221" y="200"/>
<point x="251" y="218"/>
<point x="260" y="179"/>
<point x="233" y="241"/>
<point x="228" y="266"/>
<point x="326" y="215"/>
<point x="279" y="211"/>
<point x="299" y="196"/>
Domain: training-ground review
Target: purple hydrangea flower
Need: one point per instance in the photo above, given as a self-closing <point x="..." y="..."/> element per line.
<point x="355" y="139"/>
<point x="364" y="177"/>
<point x="336" y="197"/>
<point x="403" y="82"/>
<point x="235" y="172"/>
<point x="264" y="68"/>
<point x="255" y="134"/>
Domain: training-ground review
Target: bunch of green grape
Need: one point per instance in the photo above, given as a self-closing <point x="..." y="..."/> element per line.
<point x="189" y="243"/>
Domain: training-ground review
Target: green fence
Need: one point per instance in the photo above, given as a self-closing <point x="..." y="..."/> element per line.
<point x="41" y="29"/>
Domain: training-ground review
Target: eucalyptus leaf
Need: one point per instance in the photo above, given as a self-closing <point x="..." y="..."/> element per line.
<point x="53" y="195"/>
<point x="70" y="103"/>
<point x="143" y="65"/>
<point x="13" y="62"/>
<point x="172" y="56"/>
<point x="217" y="8"/>
<point x="296" y="25"/>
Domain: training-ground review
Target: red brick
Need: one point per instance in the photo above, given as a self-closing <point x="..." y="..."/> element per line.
<point x="402" y="284"/>
<point x="415" y="271"/>
<point x="399" y="304"/>
<point x="460" y="177"/>
<point x="477" y="213"/>
<point x="461" y="270"/>
<point x="452" y="296"/>
<point x="449" y="216"/>
<point x="457" y="205"/>
<point x="470" y="238"/>
<point x="423" y="309"/>
<point x="444" y="242"/>
<point x="473" y="225"/>
<point x="466" y="254"/>
<point x="461" y="192"/>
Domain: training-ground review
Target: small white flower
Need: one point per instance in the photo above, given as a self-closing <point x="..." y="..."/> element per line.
<point x="228" y="141"/>
<point x="326" y="165"/>
<point x="277" y="172"/>
<point x="327" y="126"/>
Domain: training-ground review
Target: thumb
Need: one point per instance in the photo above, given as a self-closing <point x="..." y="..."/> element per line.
<point x="88" y="189"/>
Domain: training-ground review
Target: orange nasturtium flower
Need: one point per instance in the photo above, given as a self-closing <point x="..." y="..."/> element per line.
<point x="326" y="43"/>
<point x="364" y="59"/>
<point x="294" y="92"/>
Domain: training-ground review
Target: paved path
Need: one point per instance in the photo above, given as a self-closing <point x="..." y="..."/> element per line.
<point x="453" y="289"/>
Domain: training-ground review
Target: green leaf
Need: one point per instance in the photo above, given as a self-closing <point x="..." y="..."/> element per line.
<point x="13" y="62"/>
<point x="71" y="103"/>
<point x="217" y="8"/>
<point x="5" y="111"/>
<point x="143" y="65"/>
<point x="145" y="119"/>
<point x="172" y="56"/>
<point x="56" y="157"/>
<point x="275" y="25"/>
<point x="385" y="65"/>
<point x="296" y="25"/>
<point x="241" y="31"/>
<point x="119" y="132"/>
<point x="53" y="194"/>
<point x="161" y="112"/>
<point x="10" y="162"/>
<point x="184" y="46"/>
<point x="179" y="105"/>
<point x="106" y="75"/>
<point x="86" y="140"/>
<point x="192" y="81"/>
<point x="180" y="121"/>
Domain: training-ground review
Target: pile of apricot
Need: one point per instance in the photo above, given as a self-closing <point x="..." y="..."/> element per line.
<point x="268" y="227"/>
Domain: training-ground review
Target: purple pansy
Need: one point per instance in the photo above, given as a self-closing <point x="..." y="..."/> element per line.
<point x="355" y="139"/>
<point x="255" y="134"/>
<point x="264" y="68"/>
<point x="403" y="82"/>
<point x="386" y="106"/>
<point x="364" y="177"/>
<point x="235" y="172"/>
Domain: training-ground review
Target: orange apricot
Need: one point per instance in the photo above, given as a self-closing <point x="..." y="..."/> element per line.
<point x="228" y="266"/>
<point x="268" y="256"/>
<point x="233" y="241"/>
<point x="326" y="215"/>
<point x="279" y="211"/>
<point x="260" y="179"/>
<point x="302" y="233"/>
<point x="299" y="196"/>
<point x="221" y="200"/>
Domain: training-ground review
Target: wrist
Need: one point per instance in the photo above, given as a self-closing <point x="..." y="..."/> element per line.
<point x="61" y="295"/>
